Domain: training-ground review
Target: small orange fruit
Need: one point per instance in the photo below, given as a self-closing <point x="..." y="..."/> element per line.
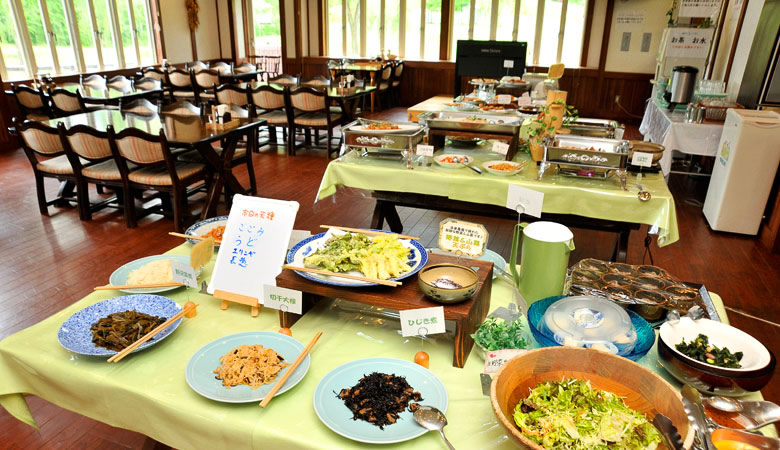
<point x="422" y="359"/>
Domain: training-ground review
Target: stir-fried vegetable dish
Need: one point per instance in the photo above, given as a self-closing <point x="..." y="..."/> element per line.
<point x="380" y="257"/>
<point x="379" y="398"/>
<point x="118" y="330"/>
<point x="569" y="414"/>
<point x="701" y="350"/>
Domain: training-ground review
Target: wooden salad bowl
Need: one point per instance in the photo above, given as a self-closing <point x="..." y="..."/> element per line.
<point x="641" y="389"/>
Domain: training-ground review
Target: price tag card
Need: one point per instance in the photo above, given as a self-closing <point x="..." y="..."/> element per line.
<point x="185" y="274"/>
<point x="422" y="321"/>
<point x="494" y="359"/>
<point x="529" y="200"/>
<point x="500" y="147"/>
<point x="461" y="237"/>
<point x="642" y="159"/>
<point x="283" y="299"/>
<point x="503" y="99"/>
<point x="424" y="150"/>
<point x="509" y="64"/>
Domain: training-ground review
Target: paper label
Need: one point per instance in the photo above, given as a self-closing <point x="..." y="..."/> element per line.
<point x="689" y="42"/>
<point x="283" y="299"/>
<point x="183" y="273"/>
<point x="503" y="99"/>
<point x="424" y="150"/>
<point x="494" y="359"/>
<point x="642" y="159"/>
<point x="422" y="321"/>
<point x="462" y="237"/>
<point x="500" y="147"/>
<point x="509" y="64"/>
<point x="527" y="201"/>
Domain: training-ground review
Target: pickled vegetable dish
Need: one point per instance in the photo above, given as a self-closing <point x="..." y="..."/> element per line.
<point x="120" y="329"/>
<point x="701" y="350"/>
<point x="570" y="414"/>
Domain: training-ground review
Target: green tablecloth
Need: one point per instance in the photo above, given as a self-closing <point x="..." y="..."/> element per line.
<point x="147" y="391"/>
<point x="599" y="199"/>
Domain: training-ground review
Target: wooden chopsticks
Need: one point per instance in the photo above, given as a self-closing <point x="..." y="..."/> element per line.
<point x="197" y="238"/>
<point x="343" y="275"/>
<point x="289" y="372"/>
<point x="370" y="232"/>
<point x="118" y="357"/>
<point x="110" y="287"/>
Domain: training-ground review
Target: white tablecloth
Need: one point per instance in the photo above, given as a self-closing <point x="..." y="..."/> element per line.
<point x="669" y="129"/>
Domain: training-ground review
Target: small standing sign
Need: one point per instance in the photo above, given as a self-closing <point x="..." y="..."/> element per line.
<point x="422" y="321"/>
<point x="463" y="238"/>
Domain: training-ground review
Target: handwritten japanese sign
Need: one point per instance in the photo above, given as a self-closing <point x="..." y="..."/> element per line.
<point x="494" y="359"/>
<point x="689" y="42"/>
<point x="462" y="237"/>
<point x="283" y="299"/>
<point x="699" y="8"/>
<point x="422" y="321"/>
<point x="184" y="274"/>
<point x="253" y="246"/>
<point x="642" y="159"/>
<point x="630" y="20"/>
<point x="424" y="150"/>
<point x="500" y="147"/>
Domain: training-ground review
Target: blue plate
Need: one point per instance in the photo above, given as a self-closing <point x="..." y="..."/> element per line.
<point x="75" y="334"/>
<point x="200" y="370"/>
<point x="418" y="257"/>
<point x="336" y="416"/>
<point x="204" y="226"/>
<point x="645" y="336"/>
<point x="120" y="275"/>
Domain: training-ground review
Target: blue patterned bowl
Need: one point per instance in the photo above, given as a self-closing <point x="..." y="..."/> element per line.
<point x="75" y="334"/>
<point x="645" y="334"/>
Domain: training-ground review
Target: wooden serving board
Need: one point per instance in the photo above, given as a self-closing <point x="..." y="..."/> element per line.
<point x="467" y="315"/>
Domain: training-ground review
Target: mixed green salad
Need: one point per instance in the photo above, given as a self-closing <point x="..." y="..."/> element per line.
<point x="380" y="257"/>
<point x="569" y="414"/>
<point x="495" y="334"/>
<point x="701" y="350"/>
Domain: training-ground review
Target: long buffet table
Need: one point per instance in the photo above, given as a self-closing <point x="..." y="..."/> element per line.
<point x="147" y="391"/>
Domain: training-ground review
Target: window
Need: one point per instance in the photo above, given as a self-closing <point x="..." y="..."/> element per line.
<point x="70" y="36"/>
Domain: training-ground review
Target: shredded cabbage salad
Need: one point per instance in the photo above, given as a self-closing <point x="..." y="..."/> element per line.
<point x="569" y="414"/>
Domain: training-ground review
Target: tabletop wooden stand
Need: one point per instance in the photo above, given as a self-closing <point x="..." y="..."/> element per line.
<point x="467" y="315"/>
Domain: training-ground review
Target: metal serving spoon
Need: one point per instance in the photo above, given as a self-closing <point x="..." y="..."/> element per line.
<point x="432" y="419"/>
<point x="760" y="413"/>
<point x="464" y="163"/>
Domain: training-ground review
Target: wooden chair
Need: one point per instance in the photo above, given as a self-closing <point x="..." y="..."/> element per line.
<point x="120" y="83"/>
<point x="232" y="94"/>
<point x="89" y="153"/>
<point x="384" y="84"/>
<point x="154" y="73"/>
<point x="180" y="85"/>
<point x="316" y="82"/>
<point x="395" y="82"/>
<point x="245" y="67"/>
<point x="156" y="169"/>
<point x="222" y="67"/>
<point x="139" y="106"/>
<point x="43" y="147"/>
<point x="147" y="84"/>
<point x="204" y="82"/>
<point x="197" y="66"/>
<point x="32" y="103"/>
<point x="180" y="108"/>
<point x="66" y="103"/>
<point x="95" y="81"/>
<point x="284" y="80"/>
<point x="308" y="109"/>
<point x="269" y="104"/>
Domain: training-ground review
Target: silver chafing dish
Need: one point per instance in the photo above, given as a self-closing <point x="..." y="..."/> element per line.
<point x="596" y="128"/>
<point x="393" y="144"/>
<point x="586" y="156"/>
<point x="499" y="126"/>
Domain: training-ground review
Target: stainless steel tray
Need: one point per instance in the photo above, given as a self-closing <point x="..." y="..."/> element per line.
<point x="596" y="128"/>
<point x="505" y="123"/>
<point x="612" y="153"/>
<point x="355" y="137"/>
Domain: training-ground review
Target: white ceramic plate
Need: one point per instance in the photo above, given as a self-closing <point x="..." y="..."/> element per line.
<point x="204" y="226"/>
<point x="450" y="165"/>
<point x="504" y="173"/>
<point x="119" y="276"/>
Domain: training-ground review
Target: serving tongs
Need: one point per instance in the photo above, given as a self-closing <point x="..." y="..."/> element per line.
<point x="695" y="410"/>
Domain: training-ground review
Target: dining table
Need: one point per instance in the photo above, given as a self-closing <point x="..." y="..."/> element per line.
<point x="183" y="132"/>
<point x="149" y="391"/>
<point x="347" y="98"/>
<point x="110" y="96"/>
<point x="238" y="77"/>
<point x="362" y="68"/>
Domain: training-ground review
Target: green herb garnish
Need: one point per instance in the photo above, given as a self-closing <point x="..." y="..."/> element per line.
<point x="496" y="335"/>
<point x="701" y="350"/>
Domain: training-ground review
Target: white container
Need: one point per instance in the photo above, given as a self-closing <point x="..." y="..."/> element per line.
<point x="745" y="167"/>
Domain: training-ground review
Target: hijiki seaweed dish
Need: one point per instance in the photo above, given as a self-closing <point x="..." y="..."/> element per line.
<point x="379" y="398"/>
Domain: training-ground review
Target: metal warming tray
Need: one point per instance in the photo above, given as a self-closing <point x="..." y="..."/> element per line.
<point x="586" y="156"/>
<point x="504" y="123"/>
<point x="596" y="128"/>
<point x="384" y="142"/>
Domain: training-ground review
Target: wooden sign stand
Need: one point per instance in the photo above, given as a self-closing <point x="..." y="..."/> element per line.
<point x="237" y="298"/>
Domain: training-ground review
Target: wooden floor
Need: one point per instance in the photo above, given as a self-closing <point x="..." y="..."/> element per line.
<point x="52" y="262"/>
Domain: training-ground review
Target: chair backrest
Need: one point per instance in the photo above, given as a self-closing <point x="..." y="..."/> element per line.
<point x="139" y="106"/>
<point x="221" y="67"/>
<point x="387" y="70"/>
<point x="318" y="82"/>
<point x="85" y="142"/>
<point x="267" y="98"/>
<point x="153" y="72"/>
<point x="244" y="68"/>
<point x="197" y="66"/>
<point x="284" y="80"/>
<point x="238" y="111"/>
<point x="39" y="138"/>
<point x="206" y="78"/>
<point x="120" y="83"/>
<point x="179" y="78"/>
<point x="308" y="99"/>
<point x="94" y="81"/>
<point x="139" y="147"/>
<point x="181" y="108"/>
<point x="231" y="94"/>
<point x="66" y="102"/>
<point x="399" y="69"/>
<point x="147" y="84"/>
<point x="28" y="98"/>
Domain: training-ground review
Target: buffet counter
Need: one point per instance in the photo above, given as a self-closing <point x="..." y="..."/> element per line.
<point x="147" y="392"/>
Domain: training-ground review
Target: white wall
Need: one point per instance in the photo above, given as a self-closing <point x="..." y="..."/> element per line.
<point x="176" y="31"/>
<point x="594" y="45"/>
<point x="634" y="60"/>
<point x="207" y="33"/>
<point x="289" y="23"/>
